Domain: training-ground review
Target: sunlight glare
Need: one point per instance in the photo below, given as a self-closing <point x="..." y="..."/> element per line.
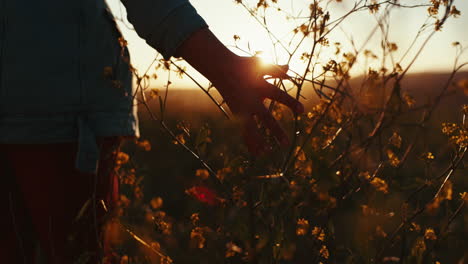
<point x="266" y="57"/>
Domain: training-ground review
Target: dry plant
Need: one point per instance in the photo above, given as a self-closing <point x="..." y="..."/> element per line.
<point x="369" y="176"/>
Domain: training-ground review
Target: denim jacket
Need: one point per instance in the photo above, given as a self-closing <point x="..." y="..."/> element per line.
<point x="63" y="74"/>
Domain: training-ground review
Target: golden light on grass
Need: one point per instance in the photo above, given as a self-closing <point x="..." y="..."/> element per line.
<point x="347" y="166"/>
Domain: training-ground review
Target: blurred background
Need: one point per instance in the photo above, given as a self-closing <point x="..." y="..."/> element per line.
<point x="227" y="18"/>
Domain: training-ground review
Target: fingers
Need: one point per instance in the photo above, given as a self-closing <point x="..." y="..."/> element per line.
<point x="273" y="92"/>
<point x="276" y="71"/>
<point x="252" y="138"/>
<point x="270" y="123"/>
<point x="283" y="97"/>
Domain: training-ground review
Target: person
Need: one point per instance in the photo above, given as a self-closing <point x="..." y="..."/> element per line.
<point x="66" y="104"/>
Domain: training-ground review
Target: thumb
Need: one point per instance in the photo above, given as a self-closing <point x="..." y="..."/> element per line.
<point x="276" y="71"/>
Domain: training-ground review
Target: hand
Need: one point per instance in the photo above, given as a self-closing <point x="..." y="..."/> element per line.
<point x="244" y="89"/>
<point x="240" y="80"/>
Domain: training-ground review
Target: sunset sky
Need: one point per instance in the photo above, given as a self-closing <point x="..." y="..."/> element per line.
<point x="226" y="18"/>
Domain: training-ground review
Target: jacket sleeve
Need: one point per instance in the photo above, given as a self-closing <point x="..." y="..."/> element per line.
<point x="164" y="24"/>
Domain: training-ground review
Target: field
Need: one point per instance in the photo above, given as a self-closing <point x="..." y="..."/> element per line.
<point x="324" y="212"/>
<point x="284" y="132"/>
<point x="375" y="170"/>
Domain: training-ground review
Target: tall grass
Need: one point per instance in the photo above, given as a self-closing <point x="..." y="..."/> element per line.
<point x="370" y="176"/>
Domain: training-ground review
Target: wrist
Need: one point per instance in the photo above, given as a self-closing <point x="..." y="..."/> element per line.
<point x="208" y="55"/>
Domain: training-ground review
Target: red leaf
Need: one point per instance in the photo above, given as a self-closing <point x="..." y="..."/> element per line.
<point x="204" y="195"/>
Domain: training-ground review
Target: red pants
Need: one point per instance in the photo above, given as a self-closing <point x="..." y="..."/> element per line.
<point x="41" y="197"/>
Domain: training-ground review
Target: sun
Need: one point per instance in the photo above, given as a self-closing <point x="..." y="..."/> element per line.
<point x="267" y="57"/>
<point x="276" y="55"/>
